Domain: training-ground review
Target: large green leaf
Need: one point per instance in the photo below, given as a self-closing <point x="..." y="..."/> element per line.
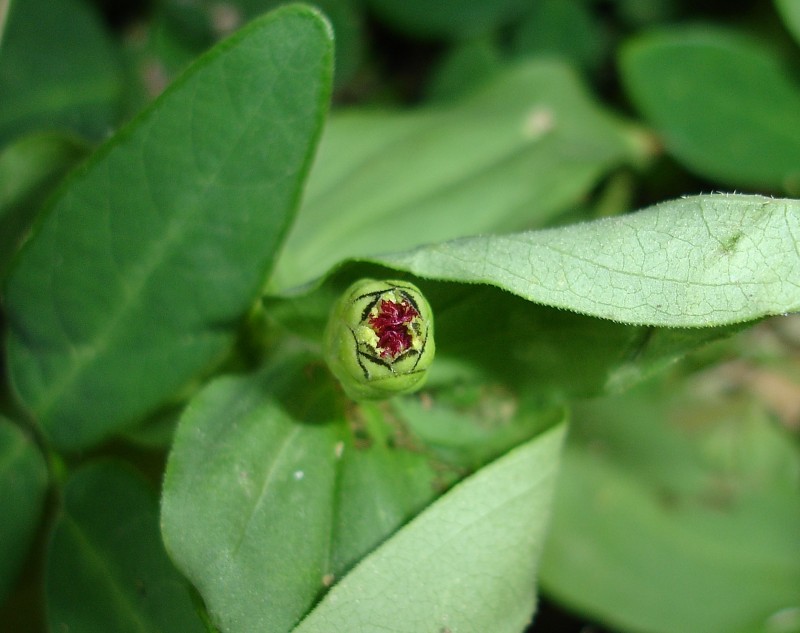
<point x="23" y="481"/>
<point x="136" y="279"/>
<point x="106" y="566"/>
<point x="58" y="69"/>
<point x="695" y="262"/>
<point x="678" y="512"/>
<point x="724" y="106"/>
<point x="514" y="155"/>
<point x="246" y="507"/>
<point x="266" y="476"/>
<point x="467" y="563"/>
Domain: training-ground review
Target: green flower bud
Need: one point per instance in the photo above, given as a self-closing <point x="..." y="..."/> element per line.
<point x="379" y="340"/>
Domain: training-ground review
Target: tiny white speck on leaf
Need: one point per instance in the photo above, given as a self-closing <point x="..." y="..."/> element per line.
<point x="538" y="122"/>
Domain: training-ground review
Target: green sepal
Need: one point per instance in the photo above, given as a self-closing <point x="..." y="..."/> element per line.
<point x="366" y="370"/>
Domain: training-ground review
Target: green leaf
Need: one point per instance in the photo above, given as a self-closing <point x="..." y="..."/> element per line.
<point x="58" y="69"/>
<point x="724" y="106"/>
<point x="568" y="29"/>
<point x="514" y="155"/>
<point x="106" y="566"/>
<point x="790" y="13"/>
<point x="265" y="475"/>
<point x="467" y="563"/>
<point x="694" y="262"/>
<point x="246" y="507"/>
<point x="23" y="482"/>
<point x="136" y="280"/>
<point x="464" y="68"/>
<point x="30" y="168"/>
<point x="456" y="19"/>
<point x="678" y="512"/>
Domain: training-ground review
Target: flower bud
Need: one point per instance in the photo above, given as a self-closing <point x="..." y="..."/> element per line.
<point x="379" y="340"/>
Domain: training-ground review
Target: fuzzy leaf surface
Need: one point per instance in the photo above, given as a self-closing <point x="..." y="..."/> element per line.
<point x="701" y="261"/>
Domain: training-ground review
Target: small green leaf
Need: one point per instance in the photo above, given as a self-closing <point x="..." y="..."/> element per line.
<point x="725" y="106"/>
<point x="106" y="566"/>
<point x="247" y="506"/>
<point x="467" y="563"/>
<point x="58" y="70"/>
<point x="465" y="67"/>
<point x="695" y="262"/>
<point x="513" y="155"/>
<point x="23" y="482"/>
<point x="678" y="513"/>
<point x="269" y="496"/>
<point x="568" y="29"/>
<point x="137" y="278"/>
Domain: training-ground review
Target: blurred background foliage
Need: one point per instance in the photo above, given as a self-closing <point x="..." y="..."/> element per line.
<point x="678" y="508"/>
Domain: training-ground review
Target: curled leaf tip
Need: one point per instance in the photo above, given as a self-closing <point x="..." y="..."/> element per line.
<point x="379" y="340"/>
